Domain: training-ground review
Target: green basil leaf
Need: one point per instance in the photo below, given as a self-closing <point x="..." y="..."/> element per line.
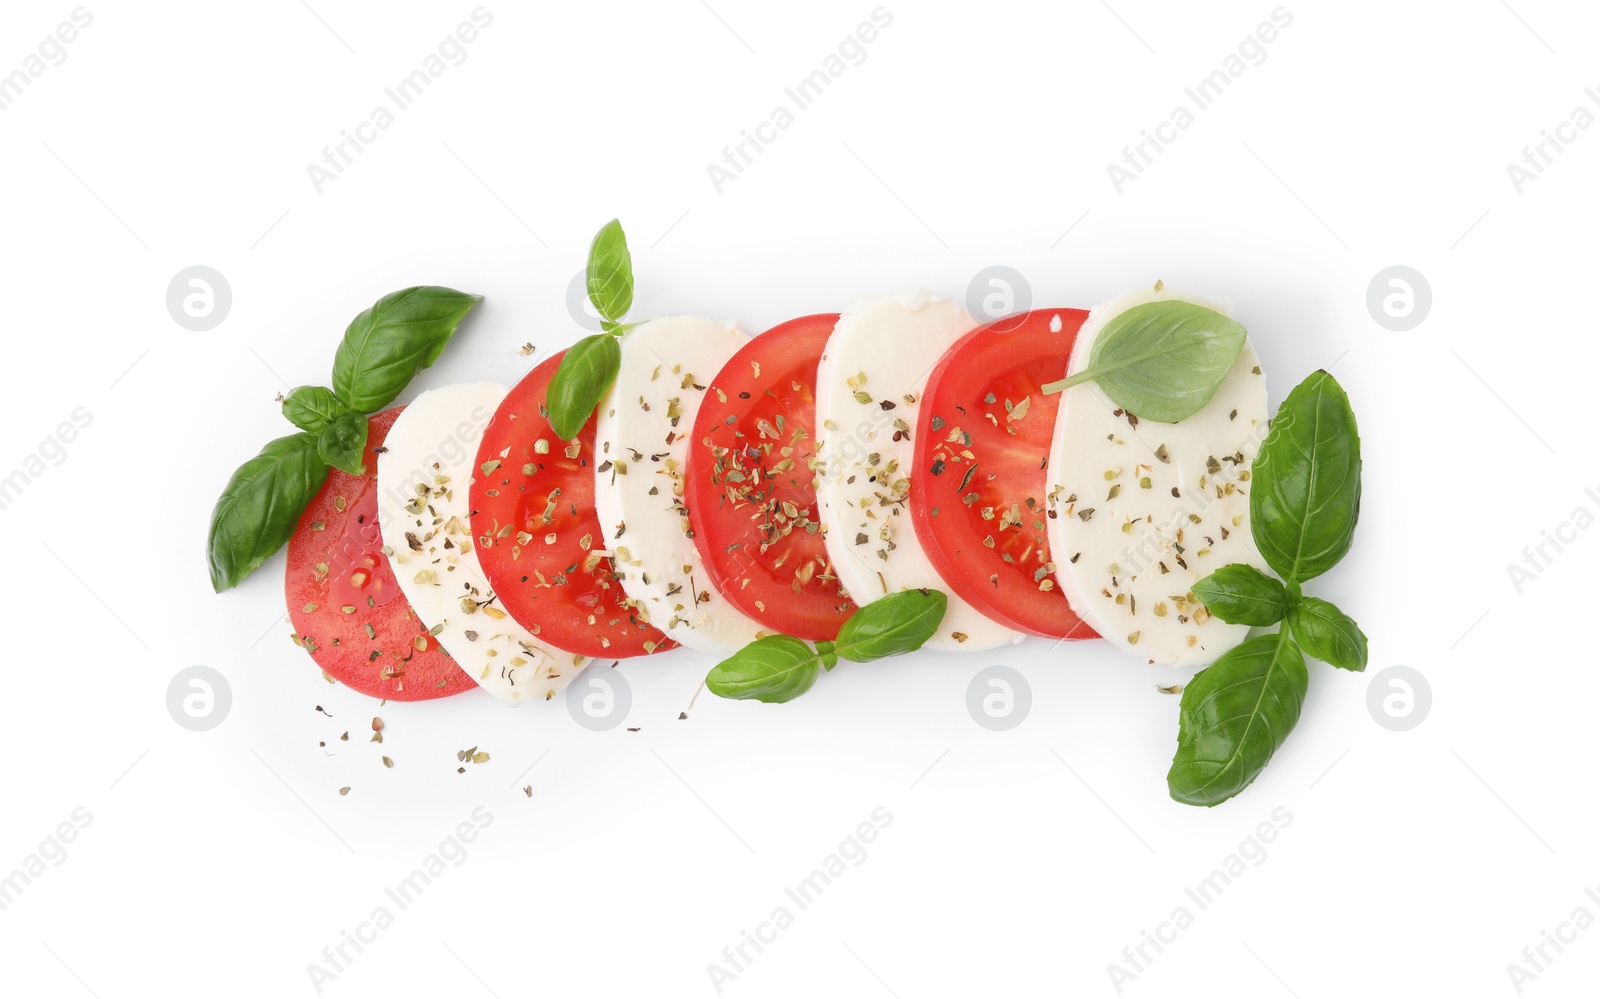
<point x="1243" y="594"/>
<point x="581" y="381"/>
<point x="891" y="625"/>
<point x="260" y="507"/>
<point x="343" y="443"/>
<point x="1328" y="634"/>
<point x="825" y="652"/>
<point x="1234" y="715"/>
<point x="1161" y="361"/>
<point x="311" y="407"/>
<point x="771" y="669"/>
<point x="385" y="346"/>
<point x="1305" y="484"/>
<point x="610" y="274"/>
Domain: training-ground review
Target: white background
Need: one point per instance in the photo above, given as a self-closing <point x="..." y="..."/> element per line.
<point x="1017" y="863"/>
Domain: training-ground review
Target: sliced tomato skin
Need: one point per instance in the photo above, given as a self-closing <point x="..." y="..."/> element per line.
<point x="769" y="562"/>
<point x="336" y="561"/>
<point x="1007" y="360"/>
<point x="544" y="572"/>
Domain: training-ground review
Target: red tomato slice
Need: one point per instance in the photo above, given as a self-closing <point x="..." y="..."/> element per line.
<point x="539" y="538"/>
<point x="347" y="609"/>
<point x="749" y="484"/>
<point x="981" y="519"/>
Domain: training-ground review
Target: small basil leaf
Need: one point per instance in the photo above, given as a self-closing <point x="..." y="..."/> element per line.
<point x="610" y="274"/>
<point x="1234" y="715"/>
<point x="581" y="381"/>
<point x="260" y="507"/>
<point x="1243" y="594"/>
<point x="385" y="346"/>
<point x="891" y="625"/>
<point x="1161" y="360"/>
<point x="311" y="407"/>
<point x="1305" y="484"/>
<point x="1328" y="634"/>
<point x="825" y="652"/>
<point x="771" y="669"/>
<point x="343" y="442"/>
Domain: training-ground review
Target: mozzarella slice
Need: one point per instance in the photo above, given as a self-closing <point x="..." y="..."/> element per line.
<point x="423" y="511"/>
<point x="1139" y="511"/>
<point x="869" y="386"/>
<point x="642" y="439"/>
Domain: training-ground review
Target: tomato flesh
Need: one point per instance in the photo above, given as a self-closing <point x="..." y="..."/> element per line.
<point x="752" y="505"/>
<point x="539" y="538"/>
<point x="344" y="602"/>
<point x="978" y="491"/>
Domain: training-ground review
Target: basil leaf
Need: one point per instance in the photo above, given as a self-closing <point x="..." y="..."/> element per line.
<point x="311" y="407"/>
<point x="825" y="652"/>
<point x="581" y="381"/>
<point x="260" y="507"/>
<point x="610" y="274"/>
<point x="385" y="346"/>
<point x="891" y="625"/>
<point x="771" y="669"/>
<point x="1243" y="594"/>
<point x="343" y="442"/>
<point x="1234" y="715"/>
<point x="1305" y="484"/>
<point x="1161" y="361"/>
<point x="1328" y="634"/>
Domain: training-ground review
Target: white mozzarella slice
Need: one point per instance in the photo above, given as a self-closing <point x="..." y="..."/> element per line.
<point x="423" y="512"/>
<point x="869" y="388"/>
<point x="642" y="439"/>
<point x="1141" y="510"/>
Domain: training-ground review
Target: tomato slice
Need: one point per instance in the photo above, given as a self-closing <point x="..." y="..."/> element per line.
<point x="978" y="489"/>
<point x="346" y="606"/>
<point x="748" y="484"/>
<point x="539" y="539"/>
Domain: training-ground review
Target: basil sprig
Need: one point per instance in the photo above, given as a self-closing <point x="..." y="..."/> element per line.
<point x="590" y="366"/>
<point x="1161" y="361"/>
<point x="1304" y="500"/>
<point x="778" y="668"/>
<point x="383" y="349"/>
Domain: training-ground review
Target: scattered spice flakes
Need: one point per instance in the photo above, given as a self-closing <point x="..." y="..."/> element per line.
<point x="683" y="715"/>
<point x="1176" y="688"/>
<point x="528" y="790"/>
<point x="526" y="349"/>
<point x="323" y="710"/>
<point x="344" y="791"/>
<point x="634" y="728"/>
<point x="388" y="763"/>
